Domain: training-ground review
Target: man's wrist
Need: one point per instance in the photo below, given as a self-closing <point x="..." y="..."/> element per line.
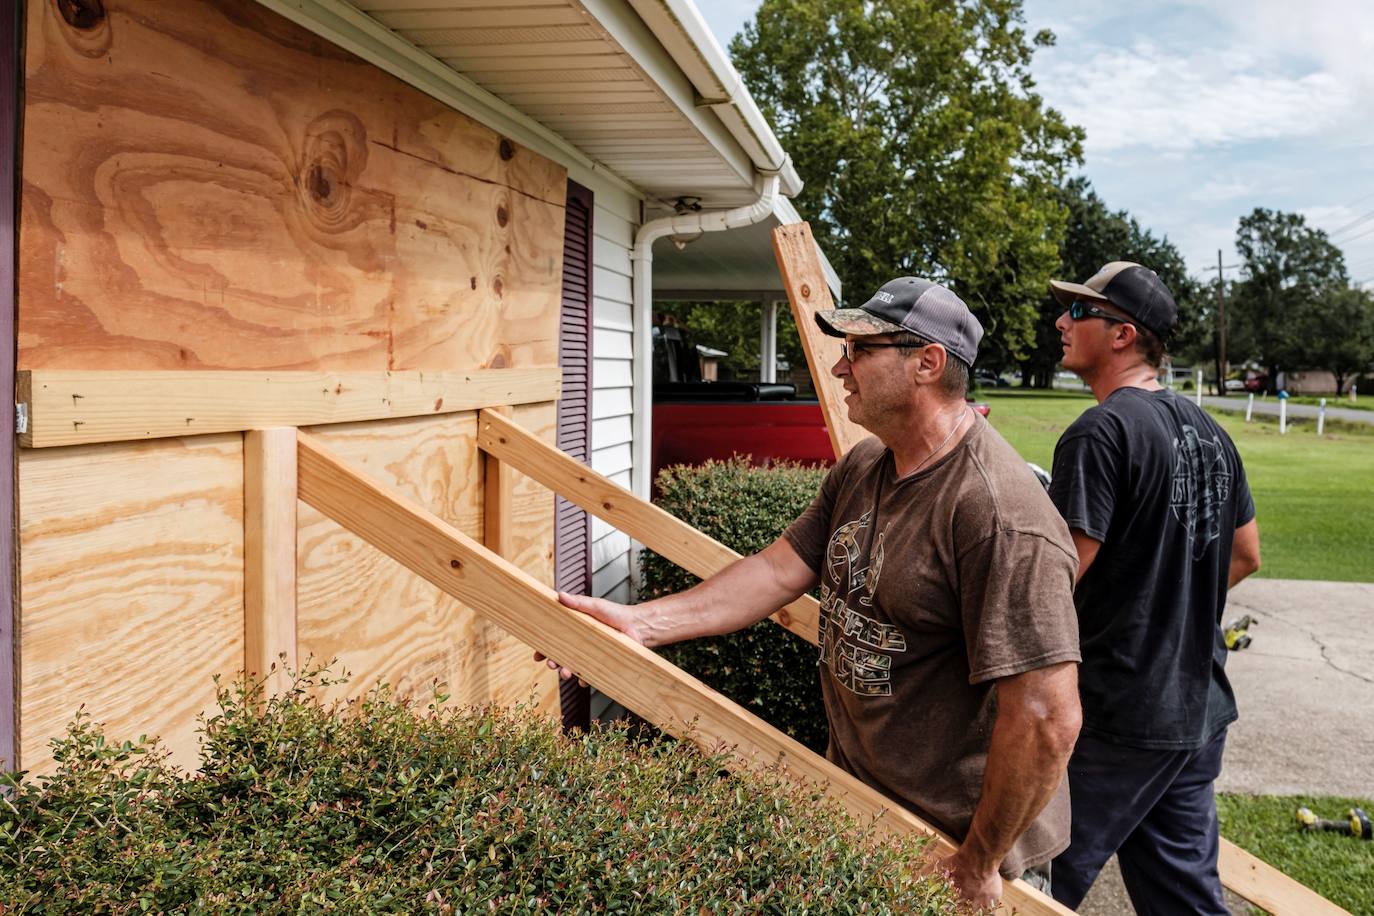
<point x="974" y="855"/>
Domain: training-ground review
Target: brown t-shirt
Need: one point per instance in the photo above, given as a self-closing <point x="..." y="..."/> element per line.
<point x="932" y="587"/>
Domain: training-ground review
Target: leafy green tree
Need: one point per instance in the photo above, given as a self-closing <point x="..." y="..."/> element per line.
<point x="923" y="144"/>
<point x="1289" y="269"/>
<point x="1096" y="235"/>
<point x="1338" y="333"/>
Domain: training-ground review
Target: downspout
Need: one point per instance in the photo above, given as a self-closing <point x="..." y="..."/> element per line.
<point x="643" y="294"/>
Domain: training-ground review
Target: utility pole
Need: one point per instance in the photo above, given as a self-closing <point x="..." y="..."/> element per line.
<point x="1221" y="324"/>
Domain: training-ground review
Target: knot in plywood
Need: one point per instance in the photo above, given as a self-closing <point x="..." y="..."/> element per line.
<point x="333" y="157"/>
<point x="89" y="27"/>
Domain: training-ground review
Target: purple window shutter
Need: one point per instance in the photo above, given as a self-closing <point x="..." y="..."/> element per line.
<point x="572" y="530"/>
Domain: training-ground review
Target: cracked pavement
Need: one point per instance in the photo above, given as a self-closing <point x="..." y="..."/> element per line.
<point x="1305" y="688"/>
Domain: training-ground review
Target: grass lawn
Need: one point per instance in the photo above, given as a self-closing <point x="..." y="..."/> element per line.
<point x="1314" y="497"/>
<point x="1340" y="868"/>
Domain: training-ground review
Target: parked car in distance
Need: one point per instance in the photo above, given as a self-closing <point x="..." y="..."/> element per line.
<point x="986" y="378"/>
<point x="1257" y="383"/>
<point x="1235" y="384"/>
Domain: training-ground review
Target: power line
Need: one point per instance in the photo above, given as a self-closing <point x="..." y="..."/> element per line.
<point x="1352" y="224"/>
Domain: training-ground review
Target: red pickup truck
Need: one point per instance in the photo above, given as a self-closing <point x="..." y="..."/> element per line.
<point x="694" y="421"/>
<point x="697" y="421"/>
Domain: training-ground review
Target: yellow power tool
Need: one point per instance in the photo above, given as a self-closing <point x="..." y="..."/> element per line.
<point x="1357" y="823"/>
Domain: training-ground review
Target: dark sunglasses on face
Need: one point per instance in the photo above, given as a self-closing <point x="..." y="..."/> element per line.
<point x="851" y="350"/>
<point x="1081" y="311"/>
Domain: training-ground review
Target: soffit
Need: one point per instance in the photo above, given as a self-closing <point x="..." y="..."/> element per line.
<point x="570" y="69"/>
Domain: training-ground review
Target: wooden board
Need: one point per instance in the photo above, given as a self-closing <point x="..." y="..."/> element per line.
<point x="131" y="588"/>
<point x="674" y="539"/>
<point x="383" y="623"/>
<point x="1264" y="885"/>
<point x="209" y="186"/>
<point x="621" y="668"/>
<point x="269" y="556"/>
<point x="807" y="292"/>
<point x="68" y="407"/>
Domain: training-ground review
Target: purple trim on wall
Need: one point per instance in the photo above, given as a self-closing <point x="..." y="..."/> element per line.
<point x="572" y="533"/>
<point x="10" y="26"/>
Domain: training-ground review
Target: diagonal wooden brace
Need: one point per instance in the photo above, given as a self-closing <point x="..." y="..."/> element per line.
<point x="619" y="667"/>
<point x="679" y="542"/>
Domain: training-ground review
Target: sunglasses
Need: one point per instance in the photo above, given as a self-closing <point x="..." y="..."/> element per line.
<point x="852" y="350"/>
<point x="1081" y="311"/>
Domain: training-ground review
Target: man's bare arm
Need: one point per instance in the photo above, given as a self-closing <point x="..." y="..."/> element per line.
<point x="742" y="593"/>
<point x="1038" y="717"/>
<point x="1245" y="553"/>
<point x="1087" y="548"/>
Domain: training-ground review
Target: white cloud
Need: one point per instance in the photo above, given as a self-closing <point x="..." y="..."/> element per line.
<point x="1171" y="100"/>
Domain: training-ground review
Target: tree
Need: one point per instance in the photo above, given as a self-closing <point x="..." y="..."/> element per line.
<point x="1337" y="330"/>
<point x="923" y="145"/>
<point x="1094" y="236"/>
<point x="1289" y="269"/>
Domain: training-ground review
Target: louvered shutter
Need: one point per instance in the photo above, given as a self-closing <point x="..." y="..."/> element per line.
<point x="572" y="537"/>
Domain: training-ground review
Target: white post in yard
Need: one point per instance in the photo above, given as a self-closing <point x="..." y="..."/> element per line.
<point x="768" y="342"/>
<point x="1283" y="416"/>
<point x="1197" y="389"/>
<point x="1353" y="386"/>
<point x="1249" y="406"/>
<point x="1321" y="416"/>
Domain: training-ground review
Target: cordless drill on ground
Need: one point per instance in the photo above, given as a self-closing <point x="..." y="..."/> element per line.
<point x="1237" y="632"/>
<point x="1357" y="823"/>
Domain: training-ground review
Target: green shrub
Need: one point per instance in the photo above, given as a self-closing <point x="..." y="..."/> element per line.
<point x="377" y="808"/>
<point x="766" y="669"/>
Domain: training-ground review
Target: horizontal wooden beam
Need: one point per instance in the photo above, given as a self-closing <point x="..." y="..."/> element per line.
<point x="662" y="533"/>
<point x="75" y="408"/>
<point x="618" y="666"/>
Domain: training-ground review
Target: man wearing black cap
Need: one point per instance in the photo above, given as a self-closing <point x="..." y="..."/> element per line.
<point x="948" y="638"/>
<point x="1161" y="515"/>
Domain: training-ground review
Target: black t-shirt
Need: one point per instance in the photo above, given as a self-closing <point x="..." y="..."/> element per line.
<point x="1153" y="478"/>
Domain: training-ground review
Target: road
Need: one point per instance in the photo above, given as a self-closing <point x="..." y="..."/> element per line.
<point x="1271" y="406"/>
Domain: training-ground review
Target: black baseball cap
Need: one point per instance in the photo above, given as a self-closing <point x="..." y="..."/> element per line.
<point x="1134" y="289"/>
<point x="920" y="307"/>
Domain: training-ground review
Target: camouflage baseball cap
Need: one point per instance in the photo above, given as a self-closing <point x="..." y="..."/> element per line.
<point x="920" y="307"/>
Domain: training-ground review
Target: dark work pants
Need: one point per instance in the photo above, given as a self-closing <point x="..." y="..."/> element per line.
<point x="1157" y="812"/>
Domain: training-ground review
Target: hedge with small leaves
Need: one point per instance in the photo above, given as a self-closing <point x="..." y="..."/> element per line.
<point x="379" y="808"/>
<point x="766" y="669"/>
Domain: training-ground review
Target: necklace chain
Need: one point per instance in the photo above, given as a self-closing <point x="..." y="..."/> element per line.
<point x="943" y="443"/>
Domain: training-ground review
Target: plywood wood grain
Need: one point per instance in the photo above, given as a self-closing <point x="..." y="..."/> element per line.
<point x="131" y="588"/>
<point x="208" y="186"/>
<point x="383" y="623"/>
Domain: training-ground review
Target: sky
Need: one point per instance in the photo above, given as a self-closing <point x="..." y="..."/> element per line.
<point x="1199" y="111"/>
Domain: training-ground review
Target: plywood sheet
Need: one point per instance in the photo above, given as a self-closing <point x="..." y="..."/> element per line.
<point x="208" y="186"/>
<point x="131" y="588"/>
<point x="385" y="624"/>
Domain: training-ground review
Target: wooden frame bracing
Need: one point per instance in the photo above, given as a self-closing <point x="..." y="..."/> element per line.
<point x="618" y="666"/>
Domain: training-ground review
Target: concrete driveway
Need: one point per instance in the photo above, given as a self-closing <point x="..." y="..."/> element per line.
<point x="1305" y="688"/>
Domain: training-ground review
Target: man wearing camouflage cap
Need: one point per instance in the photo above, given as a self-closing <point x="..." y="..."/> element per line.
<point x="948" y="639"/>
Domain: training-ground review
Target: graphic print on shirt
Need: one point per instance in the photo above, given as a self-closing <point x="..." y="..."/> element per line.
<point x="1202" y="485"/>
<point x="856" y="647"/>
